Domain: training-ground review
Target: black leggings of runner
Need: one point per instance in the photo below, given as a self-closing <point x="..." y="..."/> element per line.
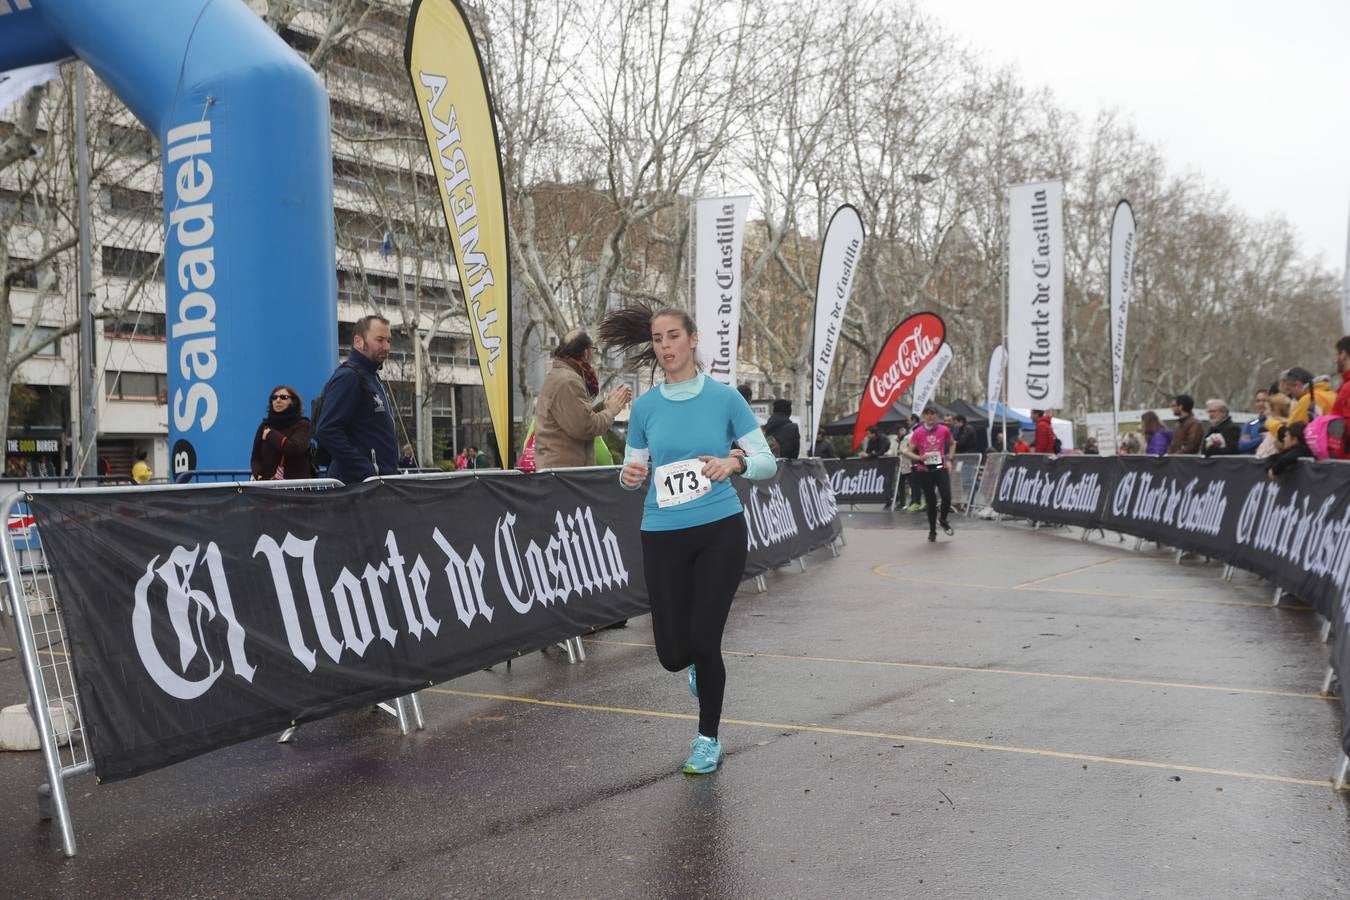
<point x="692" y="575"/>
<point x="942" y="480"/>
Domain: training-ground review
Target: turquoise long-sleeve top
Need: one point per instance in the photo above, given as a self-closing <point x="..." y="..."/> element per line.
<point x="686" y="420"/>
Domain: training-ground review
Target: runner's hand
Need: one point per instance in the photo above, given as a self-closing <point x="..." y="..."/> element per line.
<point x="719" y="468"/>
<point x="633" y="474"/>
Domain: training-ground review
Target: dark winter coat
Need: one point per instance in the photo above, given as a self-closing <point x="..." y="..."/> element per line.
<point x="357" y="418"/>
<point x="289" y="444"/>
<point x="783" y="430"/>
<point x="1230" y="431"/>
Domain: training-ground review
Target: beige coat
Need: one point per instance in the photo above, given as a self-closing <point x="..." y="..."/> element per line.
<point x="565" y="421"/>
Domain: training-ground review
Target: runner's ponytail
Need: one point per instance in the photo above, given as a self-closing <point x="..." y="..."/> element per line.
<point x="630" y="330"/>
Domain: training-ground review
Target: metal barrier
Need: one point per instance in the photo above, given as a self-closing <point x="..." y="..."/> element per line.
<point x="986" y="485"/>
<point x="965" y="475"/>
<point x="35" y="609"/>
<point x="46" y="482"/>
<point x="212" y="476"/>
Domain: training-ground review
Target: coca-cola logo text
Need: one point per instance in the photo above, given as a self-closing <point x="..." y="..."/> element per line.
<point x="916" y="347"/>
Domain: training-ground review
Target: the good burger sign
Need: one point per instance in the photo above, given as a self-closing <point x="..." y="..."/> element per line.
<point x="910" y="346"/>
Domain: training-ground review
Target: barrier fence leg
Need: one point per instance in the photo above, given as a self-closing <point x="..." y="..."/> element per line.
<point x="1138" y="544"/>
<point x="580" y="649"/>
<point x="1342" y="773"/>
<point x="419" y="722"/>
<point x="1279" y="593"/>
<point x="1329" y="682"/>
<point x="1227" y="573"/>
<point x="834" y="549"/>
<point x="39" y="707"/>
<point x="801" y="562"/>
<point x="285" y="736"/>
<point x="1326" y="631"/>
<point x="759" y="583"/>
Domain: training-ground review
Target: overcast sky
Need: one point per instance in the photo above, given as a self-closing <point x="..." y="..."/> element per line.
<point x="1255" y="96"/>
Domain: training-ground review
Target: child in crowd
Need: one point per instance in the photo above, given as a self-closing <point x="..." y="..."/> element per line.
<point x="1292" y="449"/>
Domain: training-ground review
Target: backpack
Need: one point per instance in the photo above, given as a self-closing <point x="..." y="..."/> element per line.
<point x="1325" y="437"/>
<point x="319" y="458"/>
<point x="1058" y="445"/>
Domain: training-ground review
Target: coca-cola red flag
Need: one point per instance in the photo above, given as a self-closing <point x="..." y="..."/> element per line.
<point x="913" y="343"/>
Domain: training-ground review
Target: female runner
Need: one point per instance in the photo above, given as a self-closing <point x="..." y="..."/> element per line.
<point x="693" y="526"/>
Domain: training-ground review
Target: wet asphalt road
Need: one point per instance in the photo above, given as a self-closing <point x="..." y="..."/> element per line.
<point x="1006" y="713"/>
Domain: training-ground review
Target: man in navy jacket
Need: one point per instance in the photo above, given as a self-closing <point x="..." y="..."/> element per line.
<point x="356" y="422"/>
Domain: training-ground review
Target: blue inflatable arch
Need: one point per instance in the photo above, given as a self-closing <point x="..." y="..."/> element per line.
<point x="242" y="123"/>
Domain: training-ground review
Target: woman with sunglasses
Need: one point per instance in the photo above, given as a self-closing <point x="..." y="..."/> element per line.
<point x="281" y="443"/>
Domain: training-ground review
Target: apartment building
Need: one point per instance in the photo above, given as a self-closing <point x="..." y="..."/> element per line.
<point x="392" y="258"/>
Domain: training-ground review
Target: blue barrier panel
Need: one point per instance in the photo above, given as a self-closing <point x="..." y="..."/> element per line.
<point x="243" y="129"/>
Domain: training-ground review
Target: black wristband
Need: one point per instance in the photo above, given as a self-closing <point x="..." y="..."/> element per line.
<point x="745" y="465"/>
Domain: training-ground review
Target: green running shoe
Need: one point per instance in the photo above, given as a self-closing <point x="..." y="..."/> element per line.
<point x="693" y="681"/>
<point x="705" y="754"/>
<point x="916" y="507"/>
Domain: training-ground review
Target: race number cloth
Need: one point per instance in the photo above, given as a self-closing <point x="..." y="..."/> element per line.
<point x="198" y="618"/>
<point x="1294" y="531"/>
<point x="677" y="430"/>
<point x="680" y="482"/>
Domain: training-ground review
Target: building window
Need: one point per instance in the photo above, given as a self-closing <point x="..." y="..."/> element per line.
<point x="132" y="202"/>
<point x="136" y="386"/>
<point x="146" y="326"/>
<point x="383" y="290"/>
<point x="27" y="278"/>
<point x="130" y="263"/>
<point x="40" y="333"/>
<point x="127" y="140"/>
<point x="19" y="207"/>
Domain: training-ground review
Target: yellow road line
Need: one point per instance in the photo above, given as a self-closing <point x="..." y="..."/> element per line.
<point x="1106" y="679"/>
<point x="883" y="735"/>
<point x="44" y="650"/>
<point x="1083" y="568"/>
<point x="1162" y="598"/>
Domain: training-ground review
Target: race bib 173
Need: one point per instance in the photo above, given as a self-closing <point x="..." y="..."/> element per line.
<point x="680" y="482"/>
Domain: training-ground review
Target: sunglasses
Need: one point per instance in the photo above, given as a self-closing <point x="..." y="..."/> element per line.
<point x="282" y="397"/>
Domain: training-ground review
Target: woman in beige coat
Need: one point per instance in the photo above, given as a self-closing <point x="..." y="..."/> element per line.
<point x="567" y="417"/>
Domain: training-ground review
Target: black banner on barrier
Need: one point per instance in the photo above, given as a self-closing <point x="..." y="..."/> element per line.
<point x="201" y="618"/>
<point x="1064" y="489"/>
<point x="788" y="516"/>
<point x="1294" y="531"/>
<point x="863" y="480"/>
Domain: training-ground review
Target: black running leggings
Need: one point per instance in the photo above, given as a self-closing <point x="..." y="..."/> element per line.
<point x="692" y="575"/>
<point x="942" y="480"/>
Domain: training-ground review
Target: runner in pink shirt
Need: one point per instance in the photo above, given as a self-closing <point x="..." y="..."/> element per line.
<point x="930" y="448"/>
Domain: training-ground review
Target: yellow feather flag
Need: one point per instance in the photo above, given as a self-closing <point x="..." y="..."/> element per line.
<point x="452" y="96"/>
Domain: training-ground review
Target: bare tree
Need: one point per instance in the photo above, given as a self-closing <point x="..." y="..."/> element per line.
<point x="39" y="229"/>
